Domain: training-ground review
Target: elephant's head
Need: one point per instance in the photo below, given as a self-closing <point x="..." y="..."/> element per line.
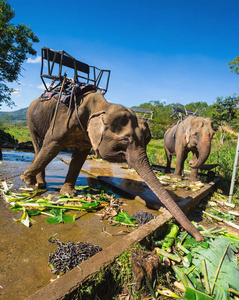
<point x="199" y="133"/>
<point x="120" y="136"/>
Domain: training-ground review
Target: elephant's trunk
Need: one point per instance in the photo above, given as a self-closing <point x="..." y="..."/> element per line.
<point x="140" y="163"/>
<point x="204" y="149"/>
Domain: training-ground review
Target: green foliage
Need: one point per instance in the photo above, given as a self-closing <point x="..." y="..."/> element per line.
<point x="58" y="216"/>
<point x="6" y="137"/>
<point x="161" y="117"/>
<point x="225" y="110"/>
<point x="197" y="106"/>
<point x="234" y="65"/>
<point x="126" y="219"/>
<point x="14" y="134"/>
<point x="15" y="43"/>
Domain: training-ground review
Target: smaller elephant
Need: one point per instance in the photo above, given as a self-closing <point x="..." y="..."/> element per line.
<point x="191" y="134"/>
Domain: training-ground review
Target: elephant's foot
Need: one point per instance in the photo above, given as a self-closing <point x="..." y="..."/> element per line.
<point x="193" y="179"/>
<point x="28" y="179"/>
<point x="178" y="176"/>
<point x="68" y="190"/>
<point x="41" y="185"/>
<point x="167" y="171"/>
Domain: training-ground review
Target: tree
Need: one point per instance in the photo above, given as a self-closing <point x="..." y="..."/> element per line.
<point x="234" y="65"/>
<point x="161" y="117"/>
<point x="225" y="110"/>
<point x="15" y="43"/>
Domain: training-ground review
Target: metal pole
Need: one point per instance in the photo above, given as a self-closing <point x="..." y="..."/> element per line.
<point x="234" y="172"/>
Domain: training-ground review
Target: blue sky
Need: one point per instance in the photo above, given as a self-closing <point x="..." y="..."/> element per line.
<point x="172" y="51"/>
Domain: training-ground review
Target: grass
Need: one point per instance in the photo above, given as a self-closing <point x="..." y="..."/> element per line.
<point x="20" y="133"/>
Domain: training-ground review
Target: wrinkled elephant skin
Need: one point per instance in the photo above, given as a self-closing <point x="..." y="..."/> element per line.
<point x="191" y="134"/>
<point x="111" y="129"/>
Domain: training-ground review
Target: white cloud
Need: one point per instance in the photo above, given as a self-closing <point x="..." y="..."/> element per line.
<point x="42" y="87"/>
<point x="34" y="60"/>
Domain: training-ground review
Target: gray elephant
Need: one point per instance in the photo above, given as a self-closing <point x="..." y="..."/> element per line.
<point x="111" y="129"/>
<point x="191" y="134"/>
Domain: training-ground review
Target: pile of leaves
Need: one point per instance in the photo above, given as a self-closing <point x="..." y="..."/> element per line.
<point x="176" y="183"/>
<point x="91" y="199"/>
<point x="205" y="270"/>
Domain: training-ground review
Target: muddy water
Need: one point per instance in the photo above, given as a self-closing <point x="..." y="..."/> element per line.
<point x="24" y="251"/>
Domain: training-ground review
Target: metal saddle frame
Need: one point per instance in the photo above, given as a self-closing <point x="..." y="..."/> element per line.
<point x="90" y="74"/>
<point x="180" y="112"/>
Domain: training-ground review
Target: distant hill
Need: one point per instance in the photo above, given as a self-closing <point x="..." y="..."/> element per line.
<point x="14" y="117"/>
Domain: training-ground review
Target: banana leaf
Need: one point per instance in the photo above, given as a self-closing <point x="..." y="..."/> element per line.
<point x="192" y="294"/>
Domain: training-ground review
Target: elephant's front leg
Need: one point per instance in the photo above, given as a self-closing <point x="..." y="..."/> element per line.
<point x="77" y="160"/>
<point x="194" y="172"/>
<point x="179" y="169"/>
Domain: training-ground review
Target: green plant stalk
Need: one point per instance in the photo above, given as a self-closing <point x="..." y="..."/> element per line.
<point x="205" y="276"/>
<point x="233" y="291"/>
<point x="169" y="255"/>
<point x="168" y="293"/>
<point x="181" y="247"/>
<point x="46" y="206"/>
<point x="231" y="235"/>
<point x="212" y="216"/>
<point x="190" y="270"/>
<point x="183" y="238"/>
<point x="218" y="269"/>
<point x="219" y="231"/>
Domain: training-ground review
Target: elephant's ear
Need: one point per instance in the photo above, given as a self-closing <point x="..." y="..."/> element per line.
<point x="95" y="129"/>
<point x="144" y="127"/>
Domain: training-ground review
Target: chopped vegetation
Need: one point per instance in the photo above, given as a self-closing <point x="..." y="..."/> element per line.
<point x="178" y="183"/>
<point x="91" y="199"/>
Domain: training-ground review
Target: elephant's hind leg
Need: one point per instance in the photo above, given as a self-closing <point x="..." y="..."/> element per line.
<point x="39" y="179"/>
<point x="36" y="171"/>
<point x="77" y="160"/>
<point x="169" y="160"/>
